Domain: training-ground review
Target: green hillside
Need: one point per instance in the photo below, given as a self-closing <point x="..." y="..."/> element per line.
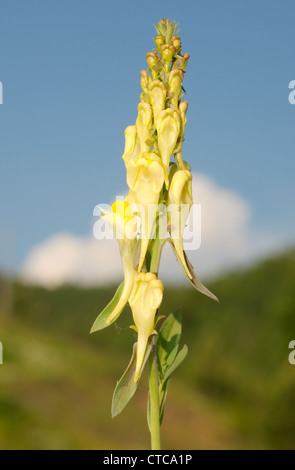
<point x="235" y="390"/>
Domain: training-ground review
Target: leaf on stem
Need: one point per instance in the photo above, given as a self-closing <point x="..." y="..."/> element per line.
<point x="167" y="353"/>
<point x="168" y="341"/>
<point x="177" y="361"/>
<point x="126" y="387"/>
<point x="101" y="320"/>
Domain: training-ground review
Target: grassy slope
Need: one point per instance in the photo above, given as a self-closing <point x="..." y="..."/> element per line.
<point x="234" y="390"/>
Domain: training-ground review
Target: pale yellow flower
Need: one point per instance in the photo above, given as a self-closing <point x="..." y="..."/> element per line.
<point x="132" y="146"/>
<point x="145" y="299"/>
<point x="168" y="125"/>
<point x="124" y="226"/>
<point x="145" y="178"/>
<point x="145" y="81"/>
<point x="157" y="94"/>
<point x="144" y="123"/>
<point x="175" y="78"/>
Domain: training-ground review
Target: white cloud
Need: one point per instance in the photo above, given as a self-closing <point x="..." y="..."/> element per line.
<point x="65" y="258"/>
<point x="227" y="241"/>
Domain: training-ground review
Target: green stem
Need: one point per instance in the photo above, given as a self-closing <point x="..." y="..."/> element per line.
<point x="154" y="401"/>
<point x="179" y="161"/>
<point x="156" y="255"/>
<point x="154" y="397"/>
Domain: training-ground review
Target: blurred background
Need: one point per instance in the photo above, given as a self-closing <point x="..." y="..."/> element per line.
<point x="70" y="75"/>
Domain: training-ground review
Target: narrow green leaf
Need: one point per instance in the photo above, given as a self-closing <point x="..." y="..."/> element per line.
<point x="196" y="283"/>
<point x="163" y="396"/>
<point x="126" y="387"/>
<point x="177" y="361"/>
<point x="100" y="321"/>
<point x="148" y="414"/>
<point x="163" y="388"/>
<point x="168" y="340"/>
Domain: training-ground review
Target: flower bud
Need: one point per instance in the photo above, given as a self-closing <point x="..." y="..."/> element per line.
<point x="176" y="43"/>
<point x="154" y="63"/>
<point x="144" y="125"/>
<point x="180" y="190"/>
<point x="167" y="52"/>
<point x="166" y="28"/>
<point x="145" y="299"/>
<point x="144" y="98"/>
<point x="168" y="125"/>
<point x="145" y="81"/>
<point x="157" y="93"/>
<point x="183" y="105"/>
<point x="159" y="40"/>
<point x="182" y="62"/>
<point x="175" y="83"/>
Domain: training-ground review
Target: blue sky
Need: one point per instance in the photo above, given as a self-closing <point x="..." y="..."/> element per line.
<point x="70" y="71"/>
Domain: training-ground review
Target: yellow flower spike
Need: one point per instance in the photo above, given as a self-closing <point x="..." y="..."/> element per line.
<point x="168" y="125"/>
<point x="144" y="125"/>
<point x="157" y="93"/>
<point x="175" y="78"/>
<point x="159" y="201"/>
<point x="145" y="178"/>
<point x="180" y="201"/>
<point x="124" y="225"/>
<point x="145" y="299"/>
<point x="132" y="146"/>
